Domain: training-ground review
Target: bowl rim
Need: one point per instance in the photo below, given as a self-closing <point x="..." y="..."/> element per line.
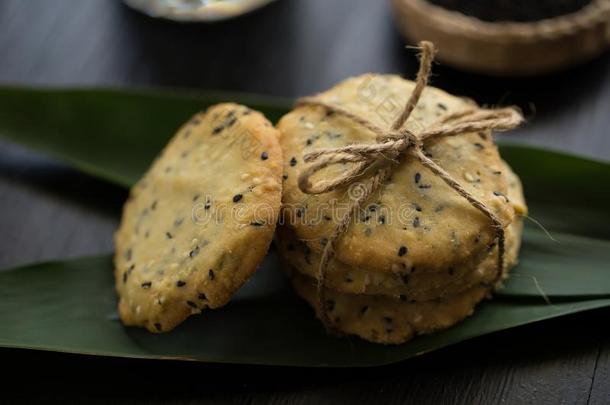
<point x="592" y="14"/>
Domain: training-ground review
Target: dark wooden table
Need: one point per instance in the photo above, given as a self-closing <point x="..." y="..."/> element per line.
<point x="292" y="48"/>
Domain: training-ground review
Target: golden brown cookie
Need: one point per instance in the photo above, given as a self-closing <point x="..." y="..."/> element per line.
<point x="382" y="319"/>
<point x="397" y="319"/>
<point x="200" y="221"/>
<point x="413" y="286"/>
<point x="415" y="221"/>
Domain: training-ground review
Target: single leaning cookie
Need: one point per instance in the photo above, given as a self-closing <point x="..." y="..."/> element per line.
<point x="200" y="221"/>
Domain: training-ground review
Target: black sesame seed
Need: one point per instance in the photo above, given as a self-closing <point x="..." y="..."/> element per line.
<point x="285" y="177"/>
<point x="196" y="197"/>
<point x="442" y="106"/>
<point x="479" y="145"/>
<point x="211" y="274"/>
<point x="309" y="142"/>
<point x="293" y="162"/>
<point x="424" y="186"/>
<point x="128" y="254"/>
<point x="417" y="207"/>
<point x="180" y="283"/>
<point x="194" y="252"/>
<point x="264" y="156"/>
<point x="254" y="223"/>
<point x="158" y="326"/>
<point x="416" y="222"/>
<point x="202" y="297"/>
<point x="382" y="220"/>
<point x="191" y="304"/>
<point x="499" y="194"/>
<point x="217" y="130"/>
<point x="237" y="197"/>
<point x="154" y="205"/>
<point x="231" y="122"/>
<point x="364" y="309"/>
<point x="402" y="251"/>
<point x="417" y="177"/>
<point x="146" y="284"/>
<point x="168" y="235"/>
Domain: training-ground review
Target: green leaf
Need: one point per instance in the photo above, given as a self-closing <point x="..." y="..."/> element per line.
<point x="112" y="134"/>
<point x="70" y="306"/>
<point x="569" y="266"/>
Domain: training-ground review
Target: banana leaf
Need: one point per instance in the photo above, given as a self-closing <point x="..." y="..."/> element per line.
<point x="70" y="306"/>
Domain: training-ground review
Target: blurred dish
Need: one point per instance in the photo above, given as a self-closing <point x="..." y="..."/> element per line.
<point x="196" y="10"/>
<point x="507" y="48"/>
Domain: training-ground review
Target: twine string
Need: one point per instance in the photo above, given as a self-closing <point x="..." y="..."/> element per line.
<point x="376" y="161"/>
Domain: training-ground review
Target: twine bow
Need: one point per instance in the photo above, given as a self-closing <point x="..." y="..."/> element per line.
<point x="377" y="160"/>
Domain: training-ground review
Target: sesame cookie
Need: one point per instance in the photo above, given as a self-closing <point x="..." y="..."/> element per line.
<point x="200" y="221"/>
<point x="415" y="220"/>
<point x="414" y="286"/>
<point x="382" y="319"/>
<point x="391" y="319"/>
<point x="408" y="286"/>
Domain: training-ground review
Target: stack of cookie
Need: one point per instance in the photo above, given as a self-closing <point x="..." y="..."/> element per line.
<point x="416" y="256"/>
<point x="387" y="233"/>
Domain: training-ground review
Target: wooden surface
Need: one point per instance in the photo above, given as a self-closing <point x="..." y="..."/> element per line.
<point x="292" y="48"/>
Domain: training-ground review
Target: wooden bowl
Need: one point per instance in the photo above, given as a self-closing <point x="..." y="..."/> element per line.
<point x="507" y="48"/>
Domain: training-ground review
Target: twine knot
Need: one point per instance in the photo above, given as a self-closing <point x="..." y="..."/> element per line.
<point x="376" y="161"/>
